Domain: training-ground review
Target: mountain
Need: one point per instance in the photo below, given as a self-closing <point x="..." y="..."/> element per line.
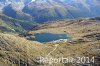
<point x="13" y="8"/>
<point x="48" y="10"/>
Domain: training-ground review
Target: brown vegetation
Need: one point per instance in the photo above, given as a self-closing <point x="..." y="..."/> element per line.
<point x="85" y="42"/>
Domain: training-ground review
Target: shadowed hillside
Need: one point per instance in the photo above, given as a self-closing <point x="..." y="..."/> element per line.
<point x="8" y="24"/>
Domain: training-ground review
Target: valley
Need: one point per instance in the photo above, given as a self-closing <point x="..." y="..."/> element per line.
<point x="39" y="32"/>
<point x="85" y="42"/>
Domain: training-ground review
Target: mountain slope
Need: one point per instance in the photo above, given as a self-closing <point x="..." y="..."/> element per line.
<point x="48" y="10"/>
<point x="8" y="24"/>
<point x="17" y="50"/>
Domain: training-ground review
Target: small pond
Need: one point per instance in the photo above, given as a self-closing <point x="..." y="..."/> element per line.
<point x="47" y="37"/>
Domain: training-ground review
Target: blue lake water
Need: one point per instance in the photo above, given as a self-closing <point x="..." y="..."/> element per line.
<point x="47" y="37"/>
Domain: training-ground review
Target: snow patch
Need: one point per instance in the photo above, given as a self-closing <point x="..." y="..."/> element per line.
<point x="32" y="0"/>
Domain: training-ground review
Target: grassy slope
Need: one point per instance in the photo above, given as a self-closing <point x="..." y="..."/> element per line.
<point x="13" y="48"/>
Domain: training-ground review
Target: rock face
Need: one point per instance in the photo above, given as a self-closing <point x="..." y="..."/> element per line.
<point x="47" y="10"/>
